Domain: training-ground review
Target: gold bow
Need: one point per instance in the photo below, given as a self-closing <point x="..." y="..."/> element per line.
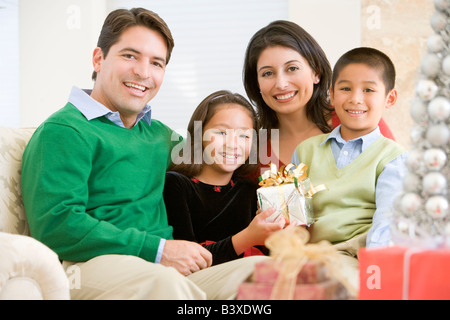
<point x="274" y="177"/>
<point x="289" y="174"/>
<point x="290" y="250"/>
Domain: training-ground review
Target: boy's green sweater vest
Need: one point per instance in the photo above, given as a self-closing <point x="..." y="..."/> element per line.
<point x="345" y="210"/>
<point x="92" y="188"/>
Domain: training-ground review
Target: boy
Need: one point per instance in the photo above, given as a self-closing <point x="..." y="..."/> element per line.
<point x="362" y="170"/>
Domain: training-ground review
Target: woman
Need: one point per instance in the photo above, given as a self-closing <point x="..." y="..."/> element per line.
<point x="287" y="76"/>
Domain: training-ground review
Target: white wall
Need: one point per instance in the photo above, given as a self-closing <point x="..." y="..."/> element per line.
<point x="9" y="64"/>
<point x="57" y="39"/>
<point x="210" y="42"/>
<point x="334" y="24"/>
<point x="56" y="43"/>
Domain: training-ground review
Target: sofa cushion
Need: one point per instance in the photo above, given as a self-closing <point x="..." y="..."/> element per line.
<point x="12" y="214"/>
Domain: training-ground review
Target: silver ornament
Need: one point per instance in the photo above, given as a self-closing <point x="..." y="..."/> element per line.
<point x="437" y="207"/>
<point x="402" y="226"/>
<point x="414" y="160"/>
<point x="418" y="111"/>
<point x="439" y="109"/>
<point x="430" y="65"/>
<point x="434" y="183"/>
<point x="434" y="159"/>
<point x="442" y="5"/>
<point x="417" y="134"/>
<point x="438" y="135"/>
<point x="411" y="182"/>
<point x="426" y="89"/>
<point x="411" y="202"/>
<point x="446" y="65"/>
<point x="435" y="43"/>
<point x="438" y="21"/>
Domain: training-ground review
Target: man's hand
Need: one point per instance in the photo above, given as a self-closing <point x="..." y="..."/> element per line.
<point x="185" y="256"/>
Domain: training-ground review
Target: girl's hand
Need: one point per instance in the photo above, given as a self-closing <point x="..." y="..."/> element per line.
<point x="257" y="231"/>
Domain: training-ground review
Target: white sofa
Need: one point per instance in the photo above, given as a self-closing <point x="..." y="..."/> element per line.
<point x="28" y="268"/>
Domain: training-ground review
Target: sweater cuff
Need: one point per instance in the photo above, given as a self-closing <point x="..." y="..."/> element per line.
<point x="160" y="250"/>
<point x="152" y="248"/>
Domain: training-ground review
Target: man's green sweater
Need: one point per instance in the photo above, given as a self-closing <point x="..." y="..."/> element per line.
<point x="92" y="187"/>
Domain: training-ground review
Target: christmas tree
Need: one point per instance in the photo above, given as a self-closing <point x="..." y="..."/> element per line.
<point x="422" y="210"/>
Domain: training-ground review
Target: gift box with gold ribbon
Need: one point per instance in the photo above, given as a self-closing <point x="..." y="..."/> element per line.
<point x="297" y="270"/>
<point x="290" y="192"/>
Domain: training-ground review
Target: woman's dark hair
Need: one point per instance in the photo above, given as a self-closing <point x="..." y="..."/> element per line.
<point x="290" y="35"/>
<point x="203" y="113"/>
<point x="121" y="19"/>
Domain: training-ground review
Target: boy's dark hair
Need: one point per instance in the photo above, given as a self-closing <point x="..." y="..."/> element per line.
<point x="290" y="35"/>
<point x="371" y="57"/>
<point x="121" y="19"/>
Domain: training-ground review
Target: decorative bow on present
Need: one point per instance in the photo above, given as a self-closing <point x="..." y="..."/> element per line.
<point x="273" y="177"/>
<point x="290" y="250"/>
<point x="288" y="174"/>
<point x="290" y="191"/>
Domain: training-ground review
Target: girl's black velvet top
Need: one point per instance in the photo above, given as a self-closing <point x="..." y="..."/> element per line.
<point x="201" y="212"/>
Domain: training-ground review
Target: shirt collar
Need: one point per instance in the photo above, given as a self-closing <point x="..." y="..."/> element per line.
<point x="366" y="140"/>
<point x="93" y="109"/>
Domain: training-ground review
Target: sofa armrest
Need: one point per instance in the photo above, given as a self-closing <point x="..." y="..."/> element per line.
<point x="27" y="263"/>
<point x="21" y="288"/>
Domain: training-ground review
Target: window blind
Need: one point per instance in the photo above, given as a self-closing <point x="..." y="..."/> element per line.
<point x="210" y="42"/>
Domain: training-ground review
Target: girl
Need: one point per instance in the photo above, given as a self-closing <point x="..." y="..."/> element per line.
<point x="209" y="200"/>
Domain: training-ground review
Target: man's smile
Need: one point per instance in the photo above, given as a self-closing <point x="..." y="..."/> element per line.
<point x="136" y="86"/>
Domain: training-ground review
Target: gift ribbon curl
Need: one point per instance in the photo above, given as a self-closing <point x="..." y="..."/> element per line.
<point x="291" y="251"/>
<point x="288" y="174"/>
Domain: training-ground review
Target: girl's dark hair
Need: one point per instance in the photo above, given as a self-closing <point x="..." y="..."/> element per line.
<point x="121" y="19"/>
<point x="290" y="35"/>
<point x="203" y="113"/>
<point x="371" y="57"/>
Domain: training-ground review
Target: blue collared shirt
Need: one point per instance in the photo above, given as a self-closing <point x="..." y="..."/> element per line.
<point x="93" y="109"/>
<point x="389" y="183"/>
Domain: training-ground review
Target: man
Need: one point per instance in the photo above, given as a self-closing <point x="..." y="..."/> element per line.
<point x="93" y="177"/>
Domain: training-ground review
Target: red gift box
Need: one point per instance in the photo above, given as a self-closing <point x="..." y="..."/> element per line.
<point x="394" y="273"/>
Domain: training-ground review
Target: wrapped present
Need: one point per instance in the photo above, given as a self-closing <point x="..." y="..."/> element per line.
<point x="399" y="272"/>
<point x="329" y="289"/>
<point x="290" y="192"/>
<point x="268" y="271"/>
<point x="297" y="270"/>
